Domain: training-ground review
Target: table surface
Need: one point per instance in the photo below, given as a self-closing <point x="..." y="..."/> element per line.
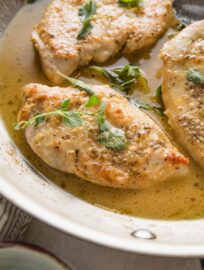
<point x="83" y="255"/>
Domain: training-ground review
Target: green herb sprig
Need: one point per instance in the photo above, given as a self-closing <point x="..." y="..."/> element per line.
<point x="176" y="30"/>
<point x="70" y="118"/>
<point x="158" y="97"/>
<point x="130" y="3"/>
<point x="195" y="76"/>
<point x="158" y="94"/>
<point x="145" y="106"/>
<point x="113" y="138"/>
<point x="86" y="14"/>
<point x="124" y="78"/>
<point x="158" y="108"/>
<point x="180" y="27"/>
<point x="77" y="83"/>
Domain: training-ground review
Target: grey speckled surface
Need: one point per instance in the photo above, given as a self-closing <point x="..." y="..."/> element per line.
<point x="87" y="256"/>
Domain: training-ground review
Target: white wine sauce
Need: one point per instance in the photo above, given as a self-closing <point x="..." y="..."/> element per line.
<point x="19" y="65"/>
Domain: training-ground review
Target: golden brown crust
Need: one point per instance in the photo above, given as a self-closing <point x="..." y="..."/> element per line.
<point x="114" y="28"/>
<point x="184" y="101"/>
<point x="149" y="157"/>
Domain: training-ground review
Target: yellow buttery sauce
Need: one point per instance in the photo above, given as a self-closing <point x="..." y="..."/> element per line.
<point x="19" y="65"/>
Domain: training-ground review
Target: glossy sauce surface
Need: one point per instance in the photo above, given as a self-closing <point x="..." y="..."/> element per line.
<point x="19" y="65"/>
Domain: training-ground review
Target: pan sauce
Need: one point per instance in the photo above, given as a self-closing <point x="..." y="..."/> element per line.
<point x="178" y="199"/>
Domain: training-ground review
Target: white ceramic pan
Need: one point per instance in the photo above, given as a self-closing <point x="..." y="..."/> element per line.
<point x="44" y="200"/>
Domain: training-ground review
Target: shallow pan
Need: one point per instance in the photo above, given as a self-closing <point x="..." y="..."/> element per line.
<point x="44" y="200"/>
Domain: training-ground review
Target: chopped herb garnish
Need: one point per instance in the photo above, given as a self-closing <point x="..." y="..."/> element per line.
<point x="65" y="104"/>
<point x="88" y="10"/>
<point x="39" y="119"/>
<point x="86" y="29"/>
<point x="195" y="76"/>
<point x="92" y="102"/>
<point x="111" y="137"/>
<point x="157" y="109"/>
<point x="79" y="84"/>
<point x="145" y="106"/>
<point x="130" y="3"/>
<point x="159" y="93"/>
<point x="180" y="27"/>
<point x="86" y="14"/>
<point x="70" y="118"/>
<point x="124" y="77"/>
<point x="158" y="96"/>
<point x="176" y="30"/>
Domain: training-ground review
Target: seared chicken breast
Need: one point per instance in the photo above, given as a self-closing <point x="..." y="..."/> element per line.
<point x="148" y="158"/>
<point x="183" y="87"/>
<point x="115" y="28"/>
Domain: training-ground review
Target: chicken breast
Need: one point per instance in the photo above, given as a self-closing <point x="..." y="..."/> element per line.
<point x="148" y="158"/>
<point x="115" y="28"/>
<point x="184" y="96"/>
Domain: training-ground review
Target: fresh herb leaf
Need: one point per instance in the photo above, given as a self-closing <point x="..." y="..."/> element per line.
<point x="195" y="76"/>
<point x="158" y="109"/>
<point x="38" y="118"/>
<point x="145" y="106"/>
<point x="158" y="96"/>
<point x="113" y="76"/>
<point x="79" y="84"/>
<point x="17" y="126"/>
<point x="111" y="137"/>
<point x="180" y="27"/>
<point x="127" y="72"/>
<point x="65" y="104"/>
<point x="142" y="82"/>
<point x="176" y="30"/>
<point x="155" y="108"/>
<point x="124" y="77"/>
<point x="72" y="119"/>
<point x="88" y="10"/>
<point x="101" y="117"/>
<point x="130" y="3"/>
<point x="86" y="14"/>
<point x="139" y="104"/>
<point x="86" y="29"/>
<point x="92" y="102"/>
<point x="159" y="92"/>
